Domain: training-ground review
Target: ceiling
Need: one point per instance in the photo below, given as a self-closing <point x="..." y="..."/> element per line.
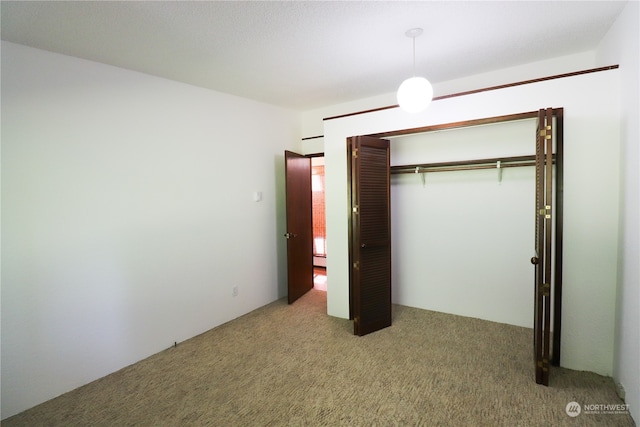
<point x="308" y="54"/>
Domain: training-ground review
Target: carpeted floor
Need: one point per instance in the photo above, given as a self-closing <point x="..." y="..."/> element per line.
<point x="294" y="365"/>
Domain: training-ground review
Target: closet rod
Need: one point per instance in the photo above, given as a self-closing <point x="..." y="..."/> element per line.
<point x="505" y="162"/>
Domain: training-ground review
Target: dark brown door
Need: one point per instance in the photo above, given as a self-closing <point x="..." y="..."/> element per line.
<point x="543" y="246"/>
<point x="299" y="225"/>
<point x="370" y="243"/>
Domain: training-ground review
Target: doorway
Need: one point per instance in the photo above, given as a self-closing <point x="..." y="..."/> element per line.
<point x="318" y="220"/>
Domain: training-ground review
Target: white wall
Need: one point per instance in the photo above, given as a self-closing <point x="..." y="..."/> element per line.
<point x="127" y="217"/>
<point x="312" y="121"/>
<point x="592" y="112"/>
<point x="462" y="240"/>
<point x="622" y="45"/>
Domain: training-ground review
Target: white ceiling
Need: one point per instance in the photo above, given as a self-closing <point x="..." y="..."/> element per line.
<point x="307" y="54"/>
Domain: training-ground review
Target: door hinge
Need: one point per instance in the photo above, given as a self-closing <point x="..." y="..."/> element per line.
<point x="356" y="265"/>
<point x="354" y="153"/>
<point x="356" y="209"/>
<point x="544" y="133"/>
<point x="544" y="364"/>
<point x="546" y="212"/>
<point x="545" y="289"/>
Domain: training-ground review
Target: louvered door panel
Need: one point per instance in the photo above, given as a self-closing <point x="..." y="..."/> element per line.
<point x="371" y="235"/>
<point x="543" y="246"/>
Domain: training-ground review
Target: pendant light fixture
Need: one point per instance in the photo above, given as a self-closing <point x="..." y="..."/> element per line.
<point x="415" y="93"/>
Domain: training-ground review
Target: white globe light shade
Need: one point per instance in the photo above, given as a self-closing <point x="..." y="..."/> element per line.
<point x="415" y="94"/>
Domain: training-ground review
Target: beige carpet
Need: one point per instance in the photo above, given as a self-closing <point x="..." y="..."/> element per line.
<point x="294" y="365"/>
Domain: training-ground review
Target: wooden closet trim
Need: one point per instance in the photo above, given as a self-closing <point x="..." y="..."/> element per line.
<point x="461" y="124"/>
<point x="486" y="89"/>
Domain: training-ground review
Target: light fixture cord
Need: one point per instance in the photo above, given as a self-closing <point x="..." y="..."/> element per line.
<point x="414" y="56"/>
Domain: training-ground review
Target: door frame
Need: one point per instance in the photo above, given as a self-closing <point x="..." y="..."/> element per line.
<point x="558" y="114"/>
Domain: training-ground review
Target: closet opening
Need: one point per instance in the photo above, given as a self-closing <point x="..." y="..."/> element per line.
<point x="319" y="223"/>
<point x="461" y="241"/>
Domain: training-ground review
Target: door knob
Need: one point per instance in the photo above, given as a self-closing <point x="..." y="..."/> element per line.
<point x="534" y="260"/>
<point x="289" y="235"/>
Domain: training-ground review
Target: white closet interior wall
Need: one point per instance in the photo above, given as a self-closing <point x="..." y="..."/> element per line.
<point x="473" y="231"/>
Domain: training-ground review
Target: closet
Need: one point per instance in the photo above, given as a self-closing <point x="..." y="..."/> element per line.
<point x="464" y="197"/>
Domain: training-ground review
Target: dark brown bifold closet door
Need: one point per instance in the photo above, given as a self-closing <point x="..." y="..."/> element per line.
<point x="299" y="225"/>
<point x="370" y="254"/>
<point x="543" y="245"/>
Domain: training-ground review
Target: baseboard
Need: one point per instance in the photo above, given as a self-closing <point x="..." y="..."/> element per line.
<point x="621" y="392"/>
